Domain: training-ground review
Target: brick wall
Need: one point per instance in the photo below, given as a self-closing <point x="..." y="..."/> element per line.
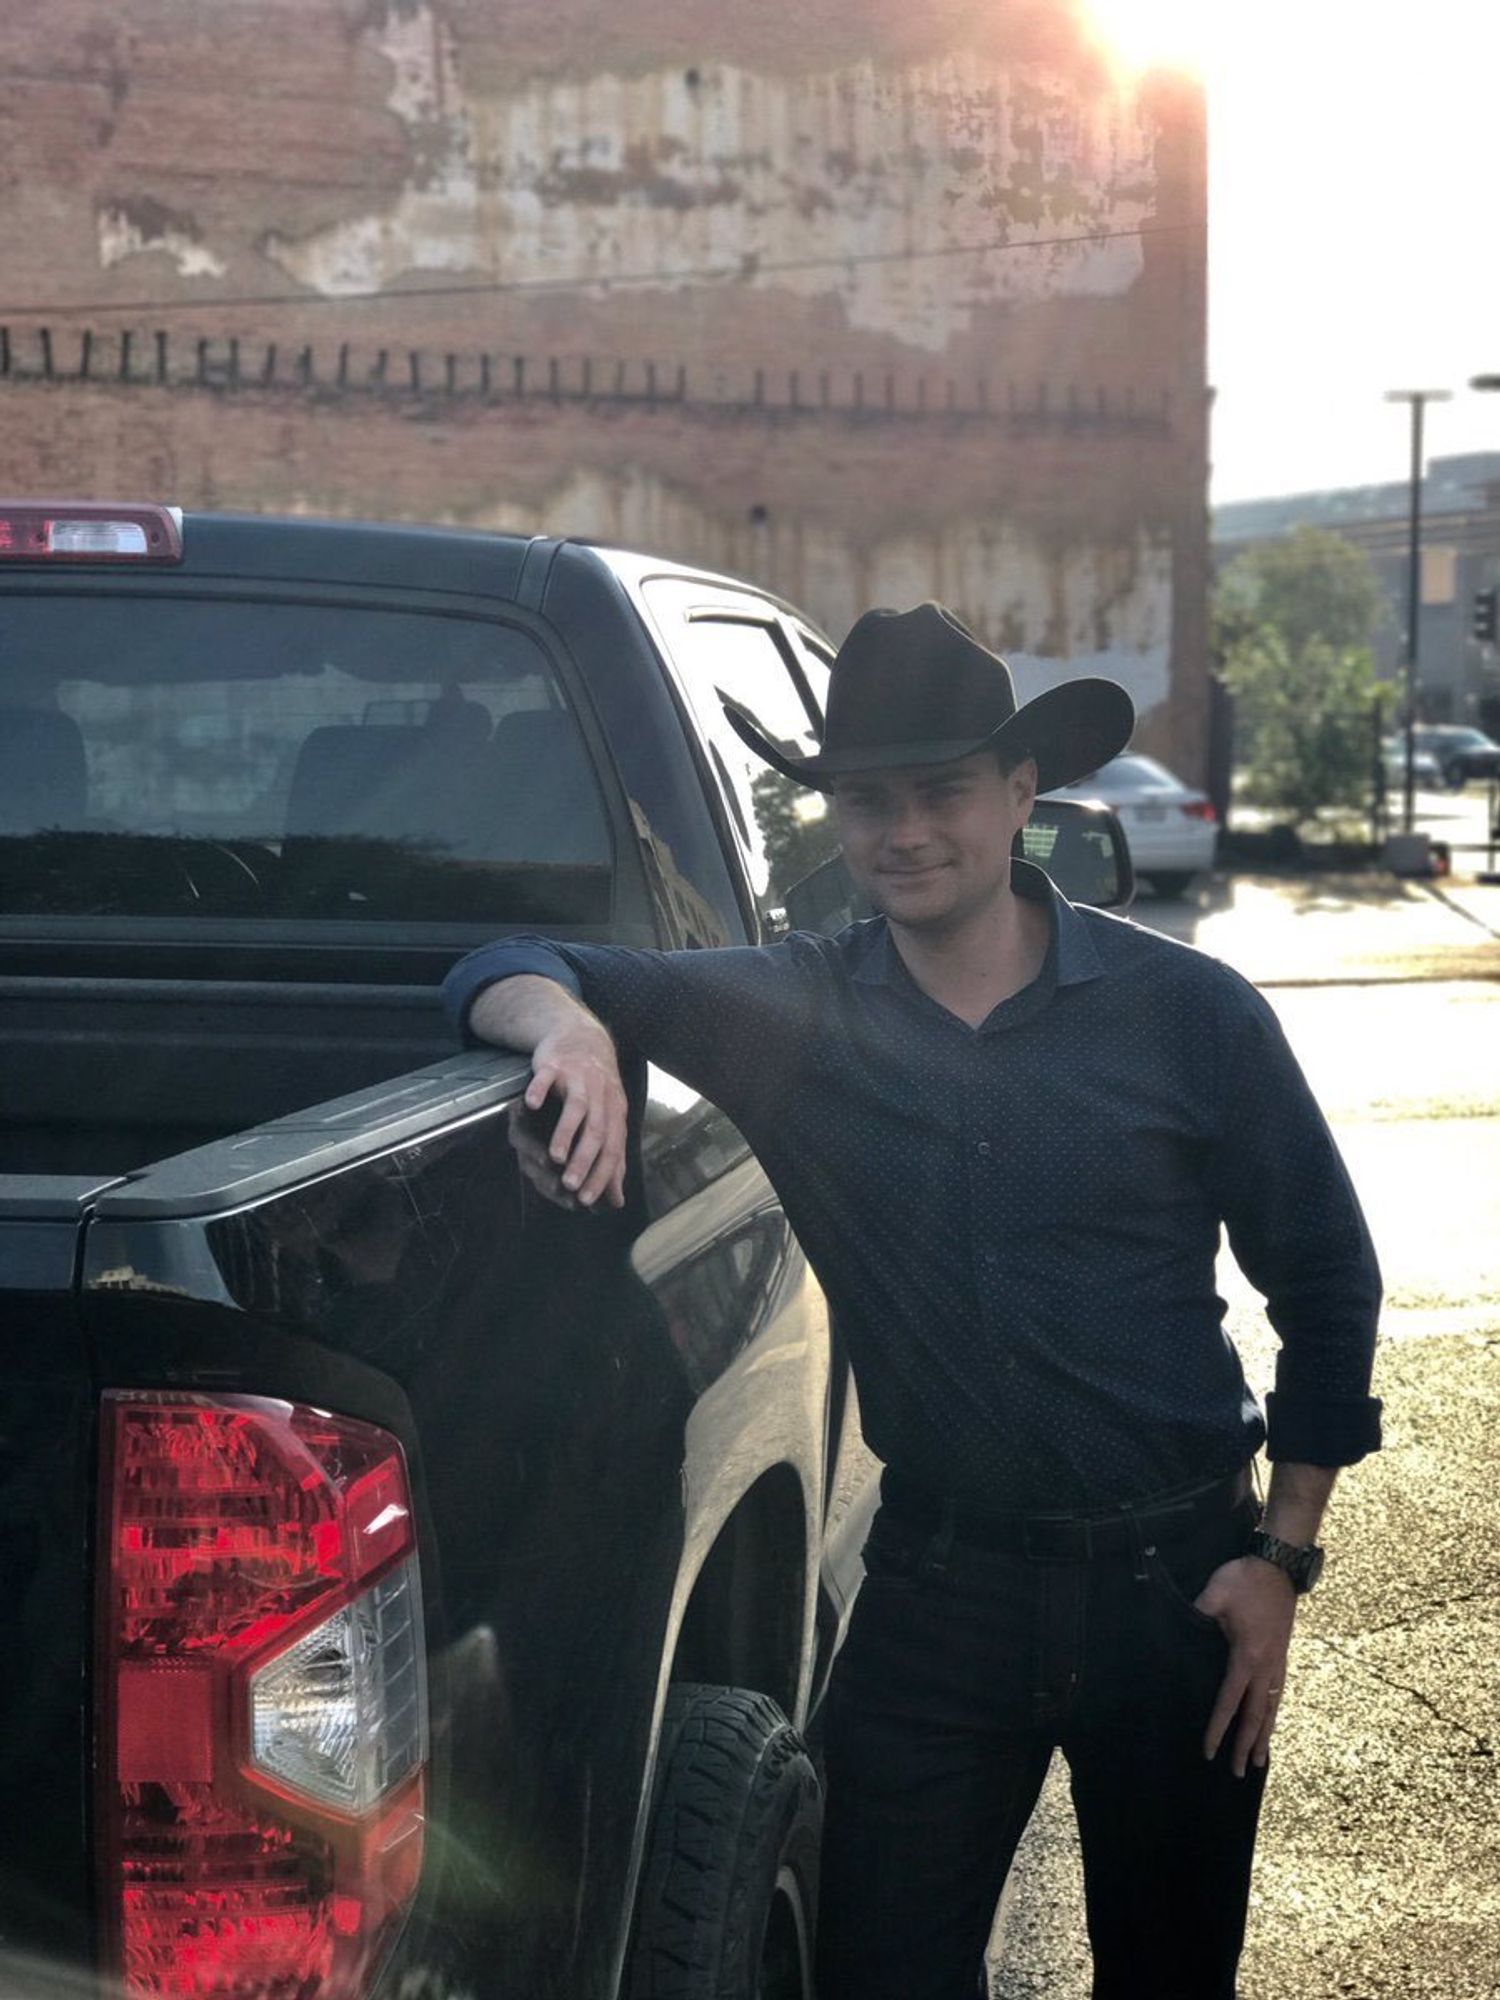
<point x="772" y="352"/>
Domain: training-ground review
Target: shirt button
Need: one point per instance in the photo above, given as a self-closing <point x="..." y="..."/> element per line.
<point x="983" y="1148"/>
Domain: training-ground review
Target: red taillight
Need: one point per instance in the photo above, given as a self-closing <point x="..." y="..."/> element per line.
<point x="1199" y="809"/>
<point x="89" y="531"/>
<point x="262" y="1698"/>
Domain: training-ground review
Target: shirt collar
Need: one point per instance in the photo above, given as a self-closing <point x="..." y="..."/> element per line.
<point x="1077" y="957"/>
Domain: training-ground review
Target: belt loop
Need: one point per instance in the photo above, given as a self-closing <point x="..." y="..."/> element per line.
<point x="940" y="1548"/>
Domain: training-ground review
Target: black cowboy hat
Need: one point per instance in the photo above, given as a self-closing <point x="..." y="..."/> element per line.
<point x="916" y="687"/>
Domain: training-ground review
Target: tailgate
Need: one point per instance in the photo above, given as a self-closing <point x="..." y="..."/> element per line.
<point x="46" y="1486"/>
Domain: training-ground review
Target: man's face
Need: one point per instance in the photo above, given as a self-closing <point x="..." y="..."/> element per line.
<point x="930" y="844"/>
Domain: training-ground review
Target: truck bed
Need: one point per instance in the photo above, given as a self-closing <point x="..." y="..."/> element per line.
<point x="104" y="1076"/>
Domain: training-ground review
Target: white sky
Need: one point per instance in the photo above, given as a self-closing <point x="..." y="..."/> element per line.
<point x="1354" y="226"/>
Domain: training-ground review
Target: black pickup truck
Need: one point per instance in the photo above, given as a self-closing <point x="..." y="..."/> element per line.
<point x="413" y="1589"/>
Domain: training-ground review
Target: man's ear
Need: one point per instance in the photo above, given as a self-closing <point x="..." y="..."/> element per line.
<point x="1024" y="779"/>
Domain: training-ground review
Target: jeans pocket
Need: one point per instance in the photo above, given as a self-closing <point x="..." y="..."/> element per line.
<point x="1178" y="1580"/>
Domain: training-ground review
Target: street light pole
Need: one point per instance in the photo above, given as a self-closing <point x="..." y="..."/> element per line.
<point x="1418" y="399"/>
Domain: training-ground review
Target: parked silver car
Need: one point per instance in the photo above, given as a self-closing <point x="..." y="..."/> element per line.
<point x="1426" y="774"/>
<point x="1170" y="828"/>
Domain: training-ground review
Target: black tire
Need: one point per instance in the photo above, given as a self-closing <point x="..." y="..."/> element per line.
<point x="1170" y="882"/>
<point x="1455" y="776"/>
<point x="729" y="1885"/>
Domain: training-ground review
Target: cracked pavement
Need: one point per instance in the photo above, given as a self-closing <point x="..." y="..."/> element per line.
<point x="1378" y="1869"/>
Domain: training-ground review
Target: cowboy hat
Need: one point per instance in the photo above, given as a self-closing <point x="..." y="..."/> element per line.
<point x="916" y="687"/>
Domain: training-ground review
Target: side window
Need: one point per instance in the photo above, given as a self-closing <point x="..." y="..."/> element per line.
<point x="786" y="828"/>
<point x="816" y="663"/>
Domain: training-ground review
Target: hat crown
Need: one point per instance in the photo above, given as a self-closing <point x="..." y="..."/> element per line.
<point x="904" y="677"/>
<point x="916" y="687"/>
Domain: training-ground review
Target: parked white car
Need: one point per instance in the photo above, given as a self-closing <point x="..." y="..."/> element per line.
<point x="1170" y="828"/>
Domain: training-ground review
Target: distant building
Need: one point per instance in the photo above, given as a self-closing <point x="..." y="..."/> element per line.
<point x="1459" y="677"/>
<point x="869" y="301"/>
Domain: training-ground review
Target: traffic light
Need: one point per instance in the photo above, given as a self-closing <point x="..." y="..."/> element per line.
<point x="1486" y="607"/>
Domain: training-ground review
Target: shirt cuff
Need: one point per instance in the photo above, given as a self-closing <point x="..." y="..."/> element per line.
<point x="1322" y="1430"/>
<point x="491" y="962"/>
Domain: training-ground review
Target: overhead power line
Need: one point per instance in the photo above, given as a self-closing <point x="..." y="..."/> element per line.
<point x="747" y="268"/>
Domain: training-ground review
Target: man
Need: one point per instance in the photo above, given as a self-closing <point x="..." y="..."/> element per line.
<point x="1007" y="1132"/>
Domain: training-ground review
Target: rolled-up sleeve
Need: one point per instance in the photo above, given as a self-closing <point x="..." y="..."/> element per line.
<point x="1298" y="1233"/>
<point x="726" y="1021"/>
<point x="493" y="962"/>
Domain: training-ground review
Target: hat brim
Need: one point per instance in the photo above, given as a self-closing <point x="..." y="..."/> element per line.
<point x="1071" y="730"/>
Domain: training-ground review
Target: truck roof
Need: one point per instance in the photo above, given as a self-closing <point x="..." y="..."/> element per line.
<point x="269" y="547"/>
<point x="404" y="555"/>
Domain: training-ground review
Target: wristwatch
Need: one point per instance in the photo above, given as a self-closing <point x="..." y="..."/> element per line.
<point x="1304" y="1565"/>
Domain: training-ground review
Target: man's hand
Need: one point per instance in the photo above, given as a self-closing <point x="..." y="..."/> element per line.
<point x="1254" y="1603"/>
<point x="573" y="1055"/>
<point x="588" y="1145"/>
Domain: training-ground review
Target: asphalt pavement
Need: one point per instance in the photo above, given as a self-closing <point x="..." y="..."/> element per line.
<point x="1378" y="1871"/>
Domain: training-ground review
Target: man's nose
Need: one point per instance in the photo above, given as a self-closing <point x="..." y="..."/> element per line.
<point x="909" y="825"/>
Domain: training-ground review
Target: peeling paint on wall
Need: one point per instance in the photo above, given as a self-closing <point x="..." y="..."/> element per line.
<point x="824" y="184"/>
<point x="1055" y="612"/>
<point x="132" y="228"/>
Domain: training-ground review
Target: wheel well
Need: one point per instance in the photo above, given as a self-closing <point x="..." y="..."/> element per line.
<point x="743" y="1623"/>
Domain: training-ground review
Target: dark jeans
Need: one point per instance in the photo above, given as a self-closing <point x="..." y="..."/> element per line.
<point x="964" y="1668"/>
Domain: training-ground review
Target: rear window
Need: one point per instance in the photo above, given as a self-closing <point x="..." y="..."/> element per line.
<point x="1129" y="772"/>
<point x="197" y="758"/>
<point x="1453" y="739"/>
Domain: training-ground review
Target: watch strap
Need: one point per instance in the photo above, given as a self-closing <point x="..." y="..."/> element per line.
<point x="1302" y="1563"/>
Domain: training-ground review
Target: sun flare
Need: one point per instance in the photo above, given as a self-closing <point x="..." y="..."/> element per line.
<point x="1151" y="34"/>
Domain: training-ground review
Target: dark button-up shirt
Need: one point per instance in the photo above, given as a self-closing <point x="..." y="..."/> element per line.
<point x="1016" y="1225"/>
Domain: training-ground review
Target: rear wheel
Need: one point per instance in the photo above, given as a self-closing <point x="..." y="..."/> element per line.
<point x="1455" y="776"/>
<point x="729" y="1886"/>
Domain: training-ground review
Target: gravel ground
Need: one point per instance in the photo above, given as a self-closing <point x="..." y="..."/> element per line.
<point x="1378" y="1870"/>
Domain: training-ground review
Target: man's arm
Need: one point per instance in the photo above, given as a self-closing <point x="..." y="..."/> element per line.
<point x="1297" y="1232"/>
<point x="1295" y="1226"/>
<point x="573" y="1054"/>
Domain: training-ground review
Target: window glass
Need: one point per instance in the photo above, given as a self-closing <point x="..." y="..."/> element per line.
<point x="191" y="757"/>
<point x="786" y="829"/>
<point x="816" y="662"/>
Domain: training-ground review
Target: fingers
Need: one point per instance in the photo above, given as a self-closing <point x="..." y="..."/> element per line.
<point x="1231" y="1693"/>
<point x="1260" y="1750"/>
<point x="588" y="1143"/>
<point x="1252" y="1743"/>
<point x="1255" y="1701"/>
<point x="542" y="1079"/>
<point x="531" y="1154"/>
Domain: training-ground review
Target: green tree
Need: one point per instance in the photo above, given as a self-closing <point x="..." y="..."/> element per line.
<point x="1294" y="621"/>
